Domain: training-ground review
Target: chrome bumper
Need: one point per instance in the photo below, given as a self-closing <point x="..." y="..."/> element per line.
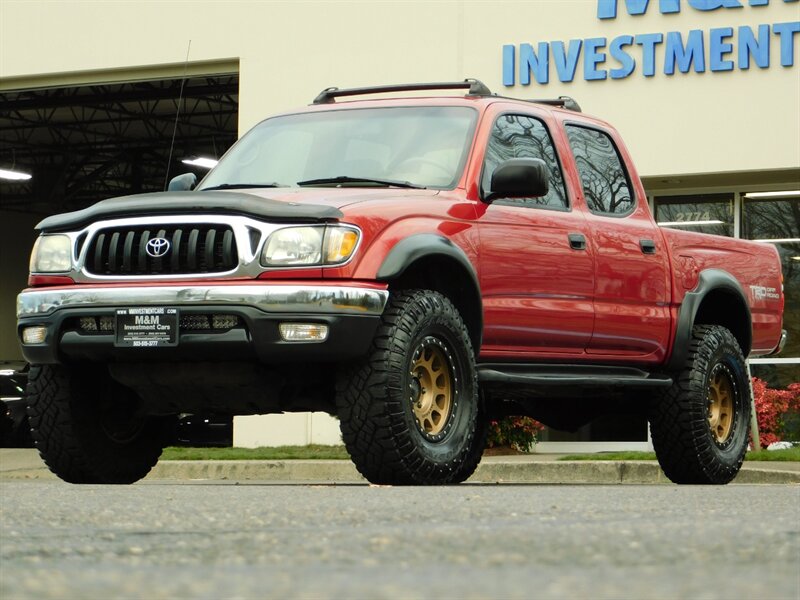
<point x="779" y="348"/>
<point x="318" y="299"/>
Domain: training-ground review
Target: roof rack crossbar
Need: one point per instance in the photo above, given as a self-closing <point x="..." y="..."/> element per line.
<point x="563" y="101"/>
<point x="475" y="87"/>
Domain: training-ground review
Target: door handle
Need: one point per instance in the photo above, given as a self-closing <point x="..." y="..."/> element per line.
<point x="577" y="241"/>
<point x="647" y="246"/>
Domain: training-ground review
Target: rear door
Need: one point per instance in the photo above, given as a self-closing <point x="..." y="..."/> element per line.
<point x="631" y="283"/>
<point x="536" y="267"/>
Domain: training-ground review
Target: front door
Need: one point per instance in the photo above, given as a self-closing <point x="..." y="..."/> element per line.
<point x="536" y="265"/>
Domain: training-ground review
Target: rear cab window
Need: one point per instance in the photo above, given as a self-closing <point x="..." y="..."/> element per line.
<point x="604" y="179"/>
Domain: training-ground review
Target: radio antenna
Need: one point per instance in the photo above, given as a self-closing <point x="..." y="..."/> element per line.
<point x="177" y="114"/>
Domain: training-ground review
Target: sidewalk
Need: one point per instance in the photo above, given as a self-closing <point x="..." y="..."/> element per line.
<point x="24" y="463"/>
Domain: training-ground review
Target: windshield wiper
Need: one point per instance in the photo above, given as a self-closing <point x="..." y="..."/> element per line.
<point x="368" y="180"/>
<point x="242" y="186"/>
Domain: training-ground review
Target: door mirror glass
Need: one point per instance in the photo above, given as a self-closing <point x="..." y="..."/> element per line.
<point x="518" y="178"/>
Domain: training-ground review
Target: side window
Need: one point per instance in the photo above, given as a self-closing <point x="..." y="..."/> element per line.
<point x="605" y="183"/>
<point x="519" y="136"/>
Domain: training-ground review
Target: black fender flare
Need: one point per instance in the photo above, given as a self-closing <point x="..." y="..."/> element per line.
<point x="710" y="280"/>
<point x="423" y="245"/>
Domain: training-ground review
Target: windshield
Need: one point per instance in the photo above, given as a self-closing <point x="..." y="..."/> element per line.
<point x="422" y="146"/>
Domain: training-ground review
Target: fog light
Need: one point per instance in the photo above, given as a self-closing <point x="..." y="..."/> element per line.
<point x="304" y="332"/>
<point x="34" y="335"/>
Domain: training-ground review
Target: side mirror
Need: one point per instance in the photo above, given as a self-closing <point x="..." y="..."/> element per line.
<point x="182" y="183"/>
<point x="518" y="178"/>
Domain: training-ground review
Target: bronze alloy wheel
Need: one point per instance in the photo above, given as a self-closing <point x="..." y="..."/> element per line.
<point x="699" y="424"/>
<point x="409" y="410"/>
<point x="721" y="400"/>
<point x="433" y="388"/>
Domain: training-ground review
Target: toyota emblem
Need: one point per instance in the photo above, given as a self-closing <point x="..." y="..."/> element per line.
<point x="157" y="247"/>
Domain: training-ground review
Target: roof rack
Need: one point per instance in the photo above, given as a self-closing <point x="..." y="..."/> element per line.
<point x="562" y="101"/>
<point x="475" y="87"/>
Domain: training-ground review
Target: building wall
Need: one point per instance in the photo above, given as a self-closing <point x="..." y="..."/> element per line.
<point x="684" y="123"/>
<point x="293" y="429"/>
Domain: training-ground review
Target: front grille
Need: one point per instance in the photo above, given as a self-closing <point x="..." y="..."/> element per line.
<point x="193" y="249"/>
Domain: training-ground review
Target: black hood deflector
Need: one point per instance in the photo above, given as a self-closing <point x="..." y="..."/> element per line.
<point x="186" y="203"/>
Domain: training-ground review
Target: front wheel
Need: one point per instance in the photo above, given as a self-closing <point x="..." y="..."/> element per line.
<point x="699" y="425"/>
<point x="89" y="428"/>
<point x="409" y="410"/>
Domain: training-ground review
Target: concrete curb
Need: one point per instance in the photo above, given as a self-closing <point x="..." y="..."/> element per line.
<point x="494" y="471"/>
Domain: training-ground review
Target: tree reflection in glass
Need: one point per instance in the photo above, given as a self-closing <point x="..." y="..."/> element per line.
<point x="605" y="184"/>
<point x="520" y="136"/>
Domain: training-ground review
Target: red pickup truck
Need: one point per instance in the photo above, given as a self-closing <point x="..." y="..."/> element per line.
<point x="415" y="266"/>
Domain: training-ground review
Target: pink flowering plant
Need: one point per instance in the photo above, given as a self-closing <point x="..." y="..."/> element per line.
<point x="519" y="433"/>
<point x="778" y="412"/>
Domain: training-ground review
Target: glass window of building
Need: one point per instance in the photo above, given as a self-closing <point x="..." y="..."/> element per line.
<point x="704" y="213"/>
<point x="775" y="219"/>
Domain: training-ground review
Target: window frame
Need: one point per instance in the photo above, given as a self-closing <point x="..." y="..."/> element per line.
<point x="559" y="162"/>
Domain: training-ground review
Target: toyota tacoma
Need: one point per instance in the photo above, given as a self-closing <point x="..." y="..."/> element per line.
<point x="415" y="266"/>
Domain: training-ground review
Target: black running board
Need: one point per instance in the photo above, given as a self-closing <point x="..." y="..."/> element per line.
<point x="547" y="375"/>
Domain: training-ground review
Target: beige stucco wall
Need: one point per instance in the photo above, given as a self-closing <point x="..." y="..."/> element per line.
<point x="288" y="51"/>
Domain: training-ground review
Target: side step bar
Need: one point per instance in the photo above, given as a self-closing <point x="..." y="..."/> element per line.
<point x="513" y="374"/>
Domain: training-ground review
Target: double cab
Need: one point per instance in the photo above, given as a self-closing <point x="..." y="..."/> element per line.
<point x="416" y="266"/>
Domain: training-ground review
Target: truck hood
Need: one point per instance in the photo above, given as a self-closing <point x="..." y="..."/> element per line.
<point x="296" y="205"/>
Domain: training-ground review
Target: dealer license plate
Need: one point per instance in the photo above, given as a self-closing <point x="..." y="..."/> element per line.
<point x="146" y="327"/>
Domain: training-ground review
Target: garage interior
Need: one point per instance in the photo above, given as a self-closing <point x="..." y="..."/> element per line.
<point x="85" y="143"/>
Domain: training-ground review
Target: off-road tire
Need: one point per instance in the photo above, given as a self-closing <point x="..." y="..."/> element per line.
<point x="374" y="397"/>
<point x="80" y="445"/>
<point x="686" y="447"/>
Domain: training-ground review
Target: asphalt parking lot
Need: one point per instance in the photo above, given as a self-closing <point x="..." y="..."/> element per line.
<point x="25" y="464"/>
<point x="216" y="539"/>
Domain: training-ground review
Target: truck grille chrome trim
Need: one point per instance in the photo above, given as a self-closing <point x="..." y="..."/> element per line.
<point x="157" y="250"/>
<point x="308" y="299"/>
<point x="220" y="247"/>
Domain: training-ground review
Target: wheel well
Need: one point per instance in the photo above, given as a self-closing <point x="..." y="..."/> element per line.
<point x="728" y="309"/>
<point x="447" y="276"/>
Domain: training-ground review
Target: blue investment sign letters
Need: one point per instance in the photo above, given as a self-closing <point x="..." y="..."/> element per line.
<point x="718" y="49"/>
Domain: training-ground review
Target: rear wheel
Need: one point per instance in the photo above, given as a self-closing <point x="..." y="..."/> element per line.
<point x="90" y="429"/>
<point x="409" y="410"/>
<point x="699" y="426"/>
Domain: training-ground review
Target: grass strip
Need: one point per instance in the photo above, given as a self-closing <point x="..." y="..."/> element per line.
<point x="316" y="452"/>
<point x="788" y="455"/>
<point x="313" y="452"/>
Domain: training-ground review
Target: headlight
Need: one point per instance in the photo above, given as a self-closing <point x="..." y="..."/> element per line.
<point x="293" y="246"/>
<point x="51" y="254"/>
<point x="301" y="246"/>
